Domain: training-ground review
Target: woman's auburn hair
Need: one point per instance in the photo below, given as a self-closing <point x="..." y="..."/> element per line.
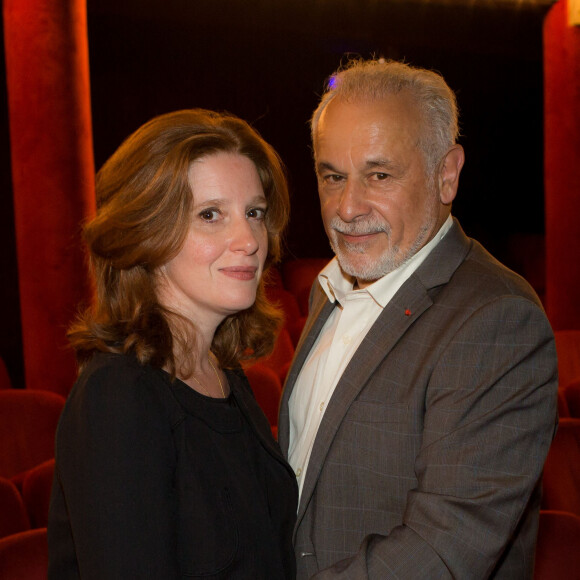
<point x="144" y="206"/>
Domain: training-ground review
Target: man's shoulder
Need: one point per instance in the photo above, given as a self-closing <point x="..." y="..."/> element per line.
<point x="462" y="263"/>
<point x="493" y="277"/>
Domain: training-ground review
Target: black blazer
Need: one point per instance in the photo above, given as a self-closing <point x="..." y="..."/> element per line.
<point x="155" y="481"/>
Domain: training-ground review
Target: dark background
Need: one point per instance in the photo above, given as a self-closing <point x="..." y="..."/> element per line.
<point x="267" y="61"/>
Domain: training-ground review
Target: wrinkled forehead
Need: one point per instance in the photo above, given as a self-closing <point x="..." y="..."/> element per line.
<point x="345" y="122"/>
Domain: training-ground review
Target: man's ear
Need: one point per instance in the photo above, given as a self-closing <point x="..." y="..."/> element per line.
<point x="449" y="171"/>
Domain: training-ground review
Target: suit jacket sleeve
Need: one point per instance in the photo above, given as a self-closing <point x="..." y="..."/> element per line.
<point x="115" y="464"/>
<point x="489" y="418"/>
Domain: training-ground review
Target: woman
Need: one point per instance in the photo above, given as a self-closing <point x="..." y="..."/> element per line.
<point x="165" y="465"/>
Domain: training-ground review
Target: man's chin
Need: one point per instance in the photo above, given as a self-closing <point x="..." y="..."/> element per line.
<point x="353" y="268"/>
<point x="364" y="268"/>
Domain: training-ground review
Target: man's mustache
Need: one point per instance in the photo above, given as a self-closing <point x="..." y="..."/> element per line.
<point x="359" y="228"/>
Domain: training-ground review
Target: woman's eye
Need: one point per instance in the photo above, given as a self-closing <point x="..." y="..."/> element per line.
<point x="209" y="215"/>
<point x="258" y="213"/>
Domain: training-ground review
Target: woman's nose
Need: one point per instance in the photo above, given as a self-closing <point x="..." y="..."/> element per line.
<point x="244" y="238"/>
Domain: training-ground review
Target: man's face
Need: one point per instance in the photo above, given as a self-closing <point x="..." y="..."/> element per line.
<point x="378" y="205"/>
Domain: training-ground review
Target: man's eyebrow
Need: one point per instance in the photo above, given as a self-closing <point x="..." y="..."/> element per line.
<point x="379" y="164"/>
<point x="325" y="166"/>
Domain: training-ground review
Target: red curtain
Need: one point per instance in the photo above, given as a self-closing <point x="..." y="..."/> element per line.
<point x="562" y="167"/>
<point x="52" y="173"/>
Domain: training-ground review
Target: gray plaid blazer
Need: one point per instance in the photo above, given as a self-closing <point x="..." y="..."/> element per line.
<point x="428" y="460"/>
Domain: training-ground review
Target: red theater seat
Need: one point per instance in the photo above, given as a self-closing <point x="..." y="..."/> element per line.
<point x="558" y="546"/>
<point x="298" y="276"/>
<point x="563" y="409"/>
<point x="281" y="356"/>
<point x="286" y="301"/>
<point x="572" y="396"/>
<point x="13" y="517"/>
<point x="267" y="390"/>
<point x="28" y="420"/>
<point x="24" y="556"/>
<point x="562" y="469"/>
<point x="568" y="349"/>
<point x="36" y="489"/>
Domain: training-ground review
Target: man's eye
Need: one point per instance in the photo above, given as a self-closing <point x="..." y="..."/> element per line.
<point x="209" y="215"/>
<point x="333" y="178"/>
<point x="381" y="176"/>
<point x="258" y="213"/>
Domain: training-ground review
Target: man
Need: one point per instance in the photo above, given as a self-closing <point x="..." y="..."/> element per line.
<point x="422" y="399"/>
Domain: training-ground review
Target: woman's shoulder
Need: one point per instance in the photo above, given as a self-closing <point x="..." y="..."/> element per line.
<point x="116" y="408"/>
<point x="120" y="380"/>
<point x="111" y="371"/>
<point x="103" y="364"/>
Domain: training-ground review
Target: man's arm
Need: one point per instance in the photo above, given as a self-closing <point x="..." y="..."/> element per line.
<point x="489" y="420"/>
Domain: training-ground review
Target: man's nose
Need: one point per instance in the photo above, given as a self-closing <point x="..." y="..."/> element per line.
<point x="353" y="201"/>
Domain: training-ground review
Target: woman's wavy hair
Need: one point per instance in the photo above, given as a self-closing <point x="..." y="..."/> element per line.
<point x="144" y="203"/>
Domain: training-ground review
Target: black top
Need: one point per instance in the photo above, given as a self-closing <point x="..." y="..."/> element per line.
<point x="154" y="480"/>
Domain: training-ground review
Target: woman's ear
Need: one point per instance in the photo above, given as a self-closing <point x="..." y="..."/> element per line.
<point x="449" y="171"/>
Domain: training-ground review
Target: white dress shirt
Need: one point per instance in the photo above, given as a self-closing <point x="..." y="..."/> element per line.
<point x="346" y="327"/>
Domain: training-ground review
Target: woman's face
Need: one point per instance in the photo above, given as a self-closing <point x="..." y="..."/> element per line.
<point x="217" y="271"/>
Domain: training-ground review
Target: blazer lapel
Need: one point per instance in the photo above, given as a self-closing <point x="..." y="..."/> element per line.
<point x="408" y="304"/>
<point x="392" y="323"/>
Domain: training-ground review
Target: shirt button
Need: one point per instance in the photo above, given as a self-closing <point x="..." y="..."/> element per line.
<point x="321" y="406"/>
<point x="346" y="339"/>
<point x="299" y="472"/>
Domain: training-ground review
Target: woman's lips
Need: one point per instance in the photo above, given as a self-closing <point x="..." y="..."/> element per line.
<point x="240" y="272"/>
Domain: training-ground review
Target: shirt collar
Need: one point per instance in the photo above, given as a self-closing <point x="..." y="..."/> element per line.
<point x="337" y="285"/>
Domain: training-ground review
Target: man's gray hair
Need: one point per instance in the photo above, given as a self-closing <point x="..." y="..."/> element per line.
<point x="372" y="80"/>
